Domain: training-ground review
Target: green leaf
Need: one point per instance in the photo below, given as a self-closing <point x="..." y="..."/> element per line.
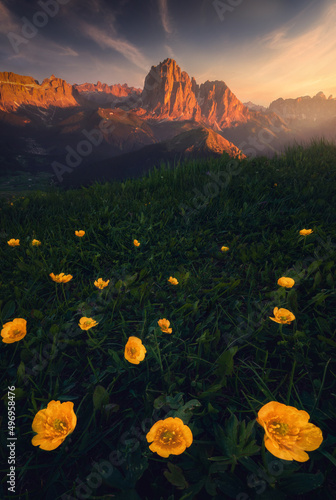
<point x="301" y="483"/>
<point x="54" y="329"/>
<point x="159" y="402"/>
<point x="193" y="490"/>
<point x="21" y="371"/>
<point x="37" y="314"/>
<point x="317" y="280"/>
<point x="176" y="401"/>
<point x="328" y="341"/>
<point x="185" y="413"/>
<point x="8" y="310"/>
<point x="225" y="362"/>
<point x="236" y="440"/>
<point x="175" y="476"/>
<point x="314" y="265"/>
<point x="100" y="397"/>
<point x="330" y="280"/>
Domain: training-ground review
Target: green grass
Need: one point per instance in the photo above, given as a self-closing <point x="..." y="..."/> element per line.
<point x="225" y="358"/>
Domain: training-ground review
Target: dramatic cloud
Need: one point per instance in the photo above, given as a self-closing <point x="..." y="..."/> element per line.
<point x="165" y="19"/>
<point x="262" y="50"/>
<point x="7" y="20"/>
<point x="293" y="62"/>
<point x="129" y="51"/>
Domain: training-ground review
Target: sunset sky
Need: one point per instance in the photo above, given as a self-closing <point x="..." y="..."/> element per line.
<point x="262" y="49"/>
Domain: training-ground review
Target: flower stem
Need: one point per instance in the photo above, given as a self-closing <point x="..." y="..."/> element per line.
<point x="291" y="382"/>
<point x="263" y="455"/>
<point x="158" y="350"/>
<point x="64" y="294"/>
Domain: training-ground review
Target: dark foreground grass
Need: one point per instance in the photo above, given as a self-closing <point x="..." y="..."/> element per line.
<point x="224" y="359"/>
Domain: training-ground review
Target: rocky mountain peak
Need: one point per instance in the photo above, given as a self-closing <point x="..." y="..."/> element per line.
<point x="18" y="92"/>
<point x="168" y="93"/>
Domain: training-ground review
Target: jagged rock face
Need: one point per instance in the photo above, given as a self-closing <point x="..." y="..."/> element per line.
<point x="117" y="89"/>
<point x="254" y="107"/>
<point x="317" y="108"/>
<point x="103" y="94"/>
<point x="18" y="91"/>
<point x="205" y="140"/>
<point x="219" y="106"/>
<point x="168" y="93"/>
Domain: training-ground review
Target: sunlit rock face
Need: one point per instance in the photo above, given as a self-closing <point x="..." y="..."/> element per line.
<point x="18" y="91"/>
<point x="168" y="93"/>
<point x="306" y="108"/>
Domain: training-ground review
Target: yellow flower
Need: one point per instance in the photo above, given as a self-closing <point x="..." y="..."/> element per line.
<point x="134" y="350"/>
<point x="80" y="233"/>
<point x="53" y="425"/>
<point x="61" y="278"/>
<point x="13" y="243"/>
<point x="170" y="437"/>
<point x="224" y="249"/>
<point x="101" y="284"/>
<point x="282" y="316"/>
<point x="36" y="243"/>
<point x="164" y="325"/>
<point x="136" y="243"/>
<point x="173" y="281"/>
<point x="305" y="232"/>
<point x="275" y="184"/>
<point x="287" y="431"/>
<point x="13" y="331"/>
<point x="286" y="282"/>
<point x="87" y="323"/>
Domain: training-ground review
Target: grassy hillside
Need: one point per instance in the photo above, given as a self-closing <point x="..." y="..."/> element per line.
<point x="227" y="231"/>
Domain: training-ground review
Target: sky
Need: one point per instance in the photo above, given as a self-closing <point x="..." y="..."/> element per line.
<point x="262" y="49"/>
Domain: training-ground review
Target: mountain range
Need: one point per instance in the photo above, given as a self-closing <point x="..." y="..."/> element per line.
<point x="84" y="132"/>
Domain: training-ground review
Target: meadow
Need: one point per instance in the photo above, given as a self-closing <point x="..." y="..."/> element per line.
<point x="190" y="267"/>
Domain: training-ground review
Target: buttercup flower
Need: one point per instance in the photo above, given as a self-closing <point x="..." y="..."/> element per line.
<point x="87" y="323"/>
<point x="286" y="282"/>
<point x="164" y="325"/>
<point x="36" y="243"/>
<point x="173" y="281"/>
<point x="170" y="437"/>
<point x="13" y="243"/>
<point x="61" y="278"/>
<point x="282" y="316"/>
<point x="13" y="331"/>
<point x="101" y="284"/>
<point x="136" y="243"/>
<point x="53" y="425"/>
<point x="225" y="249"/>
<point x="287" y="431"/>
<point x="80" y="233"/>
<point x="305" y="232"/>
<point x="134" y="350"/>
